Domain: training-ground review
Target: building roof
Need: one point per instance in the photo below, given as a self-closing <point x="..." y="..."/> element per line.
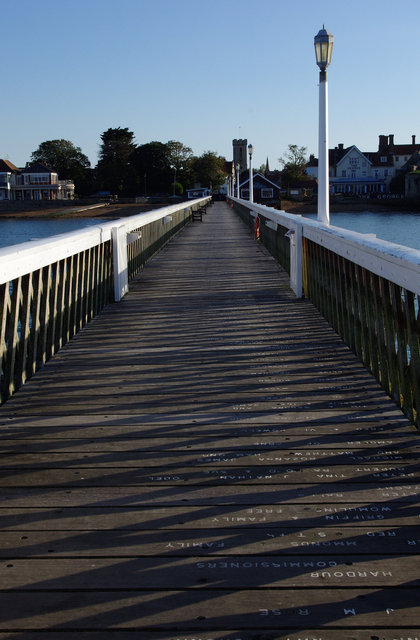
<point x="37" y="167"/>
<point x="303" y="184"/>
<point x="349" y="150"/>
<point x="259" y="176"/>
<point x="404" y="149"/>
<point x="413" y="161"/>
<point x="334" y="156"/>
<point x="7" y="166"/>
<point x="380" y="159"/>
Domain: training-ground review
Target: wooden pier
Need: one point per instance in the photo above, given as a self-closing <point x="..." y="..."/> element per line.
<point x="208" y="460"/>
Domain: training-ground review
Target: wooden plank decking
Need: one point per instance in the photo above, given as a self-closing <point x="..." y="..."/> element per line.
<point x="207" y="460"/>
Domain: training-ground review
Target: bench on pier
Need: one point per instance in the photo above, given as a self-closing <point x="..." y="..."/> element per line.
<point x="198" y="214"/>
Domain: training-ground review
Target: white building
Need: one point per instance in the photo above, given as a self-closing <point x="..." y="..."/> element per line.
<point x="353" y="172"/>
<point x="356" y="173"/>
<point x="34" y="182"/>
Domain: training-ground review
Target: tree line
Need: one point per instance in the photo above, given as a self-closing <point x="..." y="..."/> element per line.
<point x="127" y="169"/>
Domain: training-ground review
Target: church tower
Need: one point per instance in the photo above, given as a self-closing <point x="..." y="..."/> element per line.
<point x="240" y="154"/>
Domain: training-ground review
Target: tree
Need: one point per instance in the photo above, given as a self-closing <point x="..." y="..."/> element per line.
<point x="67" y="160"/>
<point x="152" y="168"/>
<point x="180" y="160"/>
<point x="114" y="168"/>
<point x="209" y="169"/>
<point x="294" y="162"/>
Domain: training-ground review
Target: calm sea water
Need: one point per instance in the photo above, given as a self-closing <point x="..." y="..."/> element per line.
<point x="402" y="228"/>
<point x="15" y="231"/>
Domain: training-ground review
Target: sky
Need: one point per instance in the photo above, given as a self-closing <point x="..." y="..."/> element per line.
<point x="205" y="72"/>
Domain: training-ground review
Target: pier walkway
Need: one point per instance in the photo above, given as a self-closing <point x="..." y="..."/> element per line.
<point x="207" y="459"/>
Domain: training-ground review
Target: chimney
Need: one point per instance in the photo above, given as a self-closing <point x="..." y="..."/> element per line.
<point x="413" y="139"/>
<point x="383" y="141"/>
<point x="391" y="139"/>
<point x="340" y="146"/>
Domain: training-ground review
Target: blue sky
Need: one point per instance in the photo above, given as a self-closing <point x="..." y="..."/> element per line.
<point x="205" y="72"/>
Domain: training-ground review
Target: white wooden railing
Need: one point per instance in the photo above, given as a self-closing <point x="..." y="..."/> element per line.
<point x="368" y="289"/>
<point x="50" y="288"/>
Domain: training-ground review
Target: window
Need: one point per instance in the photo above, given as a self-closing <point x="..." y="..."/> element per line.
<point x="40" y="179"/>
<point x="383" y="158"/>
<point x="343" y="173"/>
<point x="245" y="194"/>
<point x="266" y="193"/>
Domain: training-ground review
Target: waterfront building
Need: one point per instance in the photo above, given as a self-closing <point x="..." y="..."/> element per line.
<point x="265" y="191"/>
<point x="8" y="173"/>
<point x="353" y="172"/>
<point x="34" y="182"/>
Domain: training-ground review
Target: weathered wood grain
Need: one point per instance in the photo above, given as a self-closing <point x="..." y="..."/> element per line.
<point x="376" y="539"/>
<point x="263" y="494"/>
<point x="389" y="420"/>
<point x="167" y="460"/>
<point x="94" y="440"/>
<point x="241" y="572"/>
<point x="232" y="634"/>
<point x="209" y="516"/>
<point x="86" y="475"/>
<point x="199" y="609"/>
<point x="207" y="460"/>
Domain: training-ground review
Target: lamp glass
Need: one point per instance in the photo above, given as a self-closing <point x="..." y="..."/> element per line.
<point x="250" y="149"/>
<point x="324" y="43"/>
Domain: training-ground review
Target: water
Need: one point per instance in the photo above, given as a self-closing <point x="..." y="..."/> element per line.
<point x="14" y="230"/>
<point x="399" y="227"/>
<point x="402" y="228"/>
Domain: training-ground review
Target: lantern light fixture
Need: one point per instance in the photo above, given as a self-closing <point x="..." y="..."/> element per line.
<point x="324" y="43"/>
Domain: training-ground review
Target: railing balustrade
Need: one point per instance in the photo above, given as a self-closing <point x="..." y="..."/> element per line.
<point x="367" y="289"/>
<point x="51" y="288"/>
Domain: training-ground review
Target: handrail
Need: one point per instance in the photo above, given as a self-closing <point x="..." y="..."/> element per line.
<point x="20" y="259"/>
<point x="387" y="259"/>
<point x="368" y="289"/>
<point x="52" y="287"/>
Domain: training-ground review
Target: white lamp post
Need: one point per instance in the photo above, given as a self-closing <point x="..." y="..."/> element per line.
<point x="237" y="180"/>
<point x="251" y="181"/>
<point x="323" y="42"/>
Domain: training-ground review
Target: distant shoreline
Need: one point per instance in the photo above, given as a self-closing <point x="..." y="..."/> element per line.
<point x="354" y="206"/>
<point x="115" y="211"/>
<point x="104" y="212"/>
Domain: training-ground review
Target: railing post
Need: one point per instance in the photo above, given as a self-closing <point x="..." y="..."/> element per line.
<point x="119" y="249"/>
<point x="295" y="235"/>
